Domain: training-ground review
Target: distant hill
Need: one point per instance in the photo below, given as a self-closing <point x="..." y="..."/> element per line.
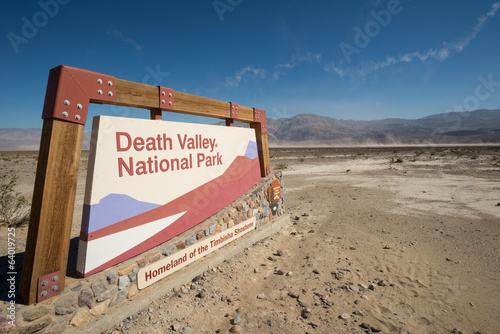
<point x="13" y="139"/>
<point x="480" y="126"/>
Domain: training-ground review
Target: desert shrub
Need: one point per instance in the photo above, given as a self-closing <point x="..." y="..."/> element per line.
<point x="14" y="208"/>
<point x="281" y="165"/>
<point x="398" y="160"/>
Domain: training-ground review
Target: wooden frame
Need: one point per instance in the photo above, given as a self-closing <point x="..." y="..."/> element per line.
<point x="69" y="93"/>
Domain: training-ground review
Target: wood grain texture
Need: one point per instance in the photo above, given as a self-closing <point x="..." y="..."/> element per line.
<point x="262" y="147"/>
<point x="132" y="94"/>
<point x="53" y="203"/>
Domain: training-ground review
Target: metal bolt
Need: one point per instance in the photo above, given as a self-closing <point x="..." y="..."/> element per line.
<point x="236" y="113"/>
<point x="170" y="94"/>
<point x="99" y="92"/>
<point x="43" y="294"/>
<point x="55" y="278"/>
<point x="79" y="106"/>
<point x="110" y="93"/>
<point x="44" y="283"/>
<point x="169" y="103"/>
<point x="162" y="101"/>
<point x="77" y="117"/>
<point x="236" y="108"/>
<point x="65" y="114"/>
<point x="110" y="83"/>
<point x="66" y="102"/>
<point x="55" y="288"/>
<point x="99" y="81"/>
<point x="162" y="93"/>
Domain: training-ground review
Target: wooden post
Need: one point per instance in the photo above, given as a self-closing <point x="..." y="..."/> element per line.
<point x="155" y="114"/>
<point x="49" y="233"/>
<point x="262" y="147"/>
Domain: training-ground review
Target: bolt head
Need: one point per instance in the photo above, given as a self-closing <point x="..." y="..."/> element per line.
<point x="55" y="278"/>
<point x="170" y="94"/>
<point x="66" y="102"/>
<point x="162" y="101"/>
<point x="44" y="283"/>
<point x="162" y="93"/>
<point x="65" y="114"/>
<point x="99" y="92"/>
<point x="43" y="294"/>
<point x="79" y="106"/>
<point x="77" y="117"/>
<point x="55" y="288"/>
<point x="110" y="83"/>
<point x="110" y="93"/>
<point x="169" y="103"/>
<point x="99" y="81"/>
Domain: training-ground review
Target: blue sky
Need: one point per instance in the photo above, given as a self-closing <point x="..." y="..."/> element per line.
<point x="365" y="60"/>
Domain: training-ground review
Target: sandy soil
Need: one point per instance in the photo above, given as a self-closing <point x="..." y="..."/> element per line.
<point x="396" y="240"/>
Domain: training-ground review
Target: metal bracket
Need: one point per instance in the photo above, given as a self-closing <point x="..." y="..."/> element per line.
<point x="260" y="117"/>
<point x="166" y="98"/>
<point x="48" y="286"/>
<point x="69" y="91"/>
<point x="233" y="108"/>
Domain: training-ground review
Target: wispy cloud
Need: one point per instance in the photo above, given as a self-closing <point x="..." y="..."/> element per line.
<point x="295" y="61"/>
<point x="249" y="71"/>
<point x="442" y="53"/>
<point x="113" y="32"/>
<point x="338" y="68"/>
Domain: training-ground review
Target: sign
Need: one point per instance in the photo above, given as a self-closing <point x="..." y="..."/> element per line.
<point x="274" y="196"/>
<point x="150" y="180"/>
<point x="161" y="269"/>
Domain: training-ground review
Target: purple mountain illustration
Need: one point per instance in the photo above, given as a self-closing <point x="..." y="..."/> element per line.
<point x="112" y="209"/>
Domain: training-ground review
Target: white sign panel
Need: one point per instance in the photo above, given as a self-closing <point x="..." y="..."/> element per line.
<point x="150" y="180"/>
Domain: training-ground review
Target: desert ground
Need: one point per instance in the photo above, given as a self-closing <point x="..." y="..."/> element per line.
<point x="381" y="239"/>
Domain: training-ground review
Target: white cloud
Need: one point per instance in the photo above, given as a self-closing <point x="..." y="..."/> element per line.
<point x="295" y="61"/>
<point x="117" y="34"/>
<point x="249" y="71"/>
<point x="440" y="54"/>
<point x="338" y="69"/>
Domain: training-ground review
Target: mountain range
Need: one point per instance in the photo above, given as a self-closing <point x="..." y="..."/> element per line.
<point x="480" y="126"/>
<point x="470" y="127"/>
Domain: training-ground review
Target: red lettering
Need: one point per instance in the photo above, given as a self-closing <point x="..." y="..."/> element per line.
<point x="120" y="148"/>
<point x="129" y="169"/>
<point x="138" y="143"/>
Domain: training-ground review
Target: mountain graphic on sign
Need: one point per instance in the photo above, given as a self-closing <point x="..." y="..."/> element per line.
<point x="112" y="209"/>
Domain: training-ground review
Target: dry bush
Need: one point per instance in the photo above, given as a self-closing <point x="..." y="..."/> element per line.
<point x="14" y="208"/>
